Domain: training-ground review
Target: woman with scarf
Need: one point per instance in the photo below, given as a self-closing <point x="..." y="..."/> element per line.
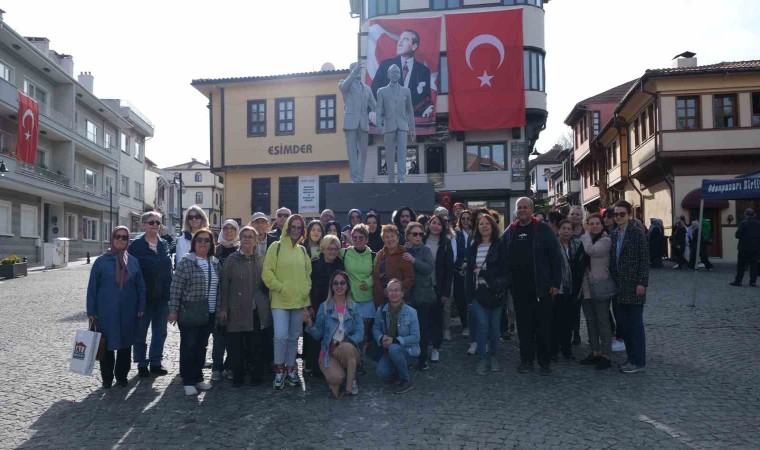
<point x="115" y="301"/>
<point x="195" y="219"/>
<point x="354" y="219"/>
<point x="315" y="231"/>
<point x="228" y="244"/>
<point x="423" y="296"/>
<point x="656" y="237"/>
<point x="596" y="244"/>
<point x="228" y="241"/>
<point x="193" y="300"/>
<point x="678" y="244"/>
<point x="339" y="327"/>
<point x="563" y="308"/>
<point x="375" y="242"/>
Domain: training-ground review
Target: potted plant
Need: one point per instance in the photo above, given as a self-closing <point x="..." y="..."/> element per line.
<point x="12" y="267"/>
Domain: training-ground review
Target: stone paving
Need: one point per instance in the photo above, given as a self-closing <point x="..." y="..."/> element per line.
<point x="701" y="389"/>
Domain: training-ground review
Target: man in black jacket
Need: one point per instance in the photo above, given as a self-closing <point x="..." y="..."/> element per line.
<point x="535" y="275"/>
<point x="748" y="234"/>
<point x="152" y="253"/>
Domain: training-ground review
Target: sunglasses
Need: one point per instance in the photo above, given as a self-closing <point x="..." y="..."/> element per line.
<point x="193" y="217"/>
<point x="339" y="283"/>
<point x="283" y="215"/>
<point x="121" y="237"/>
<point x="416" y="233"/>
<point x="203" y="240"/>
<point x="620" y="214"/>
<point x="153" y="222"/>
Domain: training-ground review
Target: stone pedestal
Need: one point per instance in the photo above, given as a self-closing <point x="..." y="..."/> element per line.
<point x="383" y="197"/>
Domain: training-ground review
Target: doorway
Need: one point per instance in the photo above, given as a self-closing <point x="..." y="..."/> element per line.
<point x="715" y="250"/>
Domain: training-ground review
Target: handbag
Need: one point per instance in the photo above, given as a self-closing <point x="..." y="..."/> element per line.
<point x="602" y="290"/>
<point x="102" y="343"/>
<point x="194" y="314"/>
<point x="488" y="298"/>
<point x="86" y="345"/>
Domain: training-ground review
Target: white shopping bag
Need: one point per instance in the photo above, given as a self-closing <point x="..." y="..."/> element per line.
<point x="83" y="354"/>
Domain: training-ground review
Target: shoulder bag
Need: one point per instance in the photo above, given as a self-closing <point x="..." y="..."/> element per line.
<point x="194" y="314"/>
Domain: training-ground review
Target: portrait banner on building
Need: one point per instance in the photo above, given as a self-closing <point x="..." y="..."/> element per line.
<point x="485" y="62"/>
<point x="414" y="45"/>
<point x="518" y="161"/>
<point x="308" y="194"/>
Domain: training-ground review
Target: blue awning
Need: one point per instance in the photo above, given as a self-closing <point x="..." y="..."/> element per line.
<point x="747" y="186"/>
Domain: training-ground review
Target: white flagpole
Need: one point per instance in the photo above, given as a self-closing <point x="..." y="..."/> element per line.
<point x="699" y="247"/>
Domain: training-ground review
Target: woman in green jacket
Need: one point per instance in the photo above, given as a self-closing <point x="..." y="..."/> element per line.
<point x="359" y="261"/>
<point x="287" y="274"/>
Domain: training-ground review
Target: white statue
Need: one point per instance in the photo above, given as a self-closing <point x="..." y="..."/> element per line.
<point x="395" y="120"/>
<point x="357" y="101"/>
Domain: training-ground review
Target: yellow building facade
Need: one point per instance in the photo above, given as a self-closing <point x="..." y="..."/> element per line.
<point x="277" y="140"/>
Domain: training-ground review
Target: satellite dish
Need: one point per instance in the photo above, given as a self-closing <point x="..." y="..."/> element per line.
<point x="327" y="67"/>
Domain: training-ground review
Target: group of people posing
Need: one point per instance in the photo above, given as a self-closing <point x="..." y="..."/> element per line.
<point x="368" y="292"/>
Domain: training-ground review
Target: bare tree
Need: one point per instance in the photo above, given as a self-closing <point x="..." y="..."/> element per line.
<point x="565" y="140"/>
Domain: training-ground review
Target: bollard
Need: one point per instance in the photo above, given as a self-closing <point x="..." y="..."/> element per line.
<point x="88" y="257"/>
<point x="24" y="259"/>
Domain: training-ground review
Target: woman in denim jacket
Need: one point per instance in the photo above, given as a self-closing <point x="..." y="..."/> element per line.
<point x="340" y="327"/>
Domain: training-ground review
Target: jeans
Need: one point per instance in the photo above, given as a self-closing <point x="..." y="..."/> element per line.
<point x="193" y="341"/>
<point x="597" y="322"/>
<point x="122" y="363"/>
<point x="473" y="323"/>
<point x="287" y="329"/>
<point x="744" y="259"/>
<point x="534" y="326"/>
<point x="563" y="317"/>
<point x="631" y="325"/>
<point x="395" y="362"/>
<point x="156" y="315"/>
<point x="246" y="353"/>
<point x="423" y="316"/>
<point x="487" y="329"/>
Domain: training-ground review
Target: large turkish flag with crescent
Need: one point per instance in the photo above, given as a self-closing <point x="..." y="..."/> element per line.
<point x="28" y="129"/>
<point x="485" y="60"/>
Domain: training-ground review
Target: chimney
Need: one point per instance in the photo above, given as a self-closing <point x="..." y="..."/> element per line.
<point x="42" y="44"/>
<point x="87" y="80"/>
<point x="65" y="62"/>
<point x="684" y="60"/>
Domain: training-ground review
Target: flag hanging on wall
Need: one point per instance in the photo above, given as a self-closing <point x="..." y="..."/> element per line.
<point x="28" y="129"/>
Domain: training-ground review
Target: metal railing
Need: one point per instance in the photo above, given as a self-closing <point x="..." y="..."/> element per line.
<point x="42" y="174"/>
<point x="56" y="116"/>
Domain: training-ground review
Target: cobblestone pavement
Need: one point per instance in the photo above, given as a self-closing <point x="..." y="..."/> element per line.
<point x="701" y="389"/>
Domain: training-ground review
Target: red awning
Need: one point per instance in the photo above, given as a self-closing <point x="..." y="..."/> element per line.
<point x="692" y="199"/>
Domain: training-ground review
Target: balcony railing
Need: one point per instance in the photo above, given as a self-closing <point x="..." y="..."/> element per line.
<point x="42" y="174"/>
<point x="56" y="116"/>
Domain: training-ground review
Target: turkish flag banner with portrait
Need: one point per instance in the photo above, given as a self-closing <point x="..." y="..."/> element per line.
<point x="414" y="45"/>
<point x="485" y="60"/>
<point x="28" y="129"/>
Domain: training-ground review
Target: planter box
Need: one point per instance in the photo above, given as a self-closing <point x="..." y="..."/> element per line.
<point x="12" y="270"/>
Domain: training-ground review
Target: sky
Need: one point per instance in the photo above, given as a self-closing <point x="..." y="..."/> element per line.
<point x="149" y="52"/>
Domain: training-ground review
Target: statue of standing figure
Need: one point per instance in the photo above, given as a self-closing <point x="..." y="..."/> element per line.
<point x="395" y="121"/>
<point x="357" y="102"/>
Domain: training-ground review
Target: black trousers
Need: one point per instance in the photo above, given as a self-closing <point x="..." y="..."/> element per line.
<point x="575" y="322"/>
<point x="435" y="322"/>
<point x="193" y="341"/>
<point x="460" y="299"/>
<point x="246" y="352"/>
<point x="119" y="366"/>
<point x="563" y="318"/>
<point x="744" y="259"/>
<point x="423" y="317"/>
<point x="534" y="326"/>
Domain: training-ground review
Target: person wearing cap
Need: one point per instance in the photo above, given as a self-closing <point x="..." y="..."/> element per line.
<point x="260" y="223"/>
<point x="282" y="215"/>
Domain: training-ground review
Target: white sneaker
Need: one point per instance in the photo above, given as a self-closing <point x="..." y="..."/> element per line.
<point x="446" y="335"/>
<point x="354" y="388"/>
<point x="473" y="348"/>
<point x="203" y="386"/>
<point x="618" y="346"/>
<point x="190" y="390"/>
<point x="216" y="376"/>
<point x="465" y="332"/>
<point x="435" y="356"/>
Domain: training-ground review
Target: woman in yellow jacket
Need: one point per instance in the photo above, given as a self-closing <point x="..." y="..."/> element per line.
<point x="287" y="274"/>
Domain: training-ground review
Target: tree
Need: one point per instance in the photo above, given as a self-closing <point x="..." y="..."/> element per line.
<point x="566" y="140"/>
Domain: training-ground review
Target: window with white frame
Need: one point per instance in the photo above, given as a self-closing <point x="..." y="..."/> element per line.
<point x="41" y="160"/>
<point x="29" y="221"/>
<point x="198" y="198"/>
<point x="90" y="179"/>
<point x="108" y="185"/>
<point x="5" y="72"/>
<point x="90" y="230"/>
<point x="124" y="142"/>
<point x="138" y="150"/>
<point x="106" y="231"/>
<point x="138" y="190"/>
<point x="92" y="131"/>
<point x="107" y="140"/>
<point x="6" y="209"/>
<point x="124" y="185"/>
<point x="70" y="228"/>
<point x="34" y="91"/>
<point x="198" y="177"/>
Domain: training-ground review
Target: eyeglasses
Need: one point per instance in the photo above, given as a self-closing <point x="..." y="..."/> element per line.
<point x="283" y="215"/>
<point x="416" y="233"/>
<point x="193" y="217"/>
<point x="620" y="214"/>
<point x="246" y="237"/>
<point x="152" y="222"/>
<point x="339" y="283"/>
<point x="228" y="229"/>
<point x="333" y="248"/>
<point x="203" y="240"/>
<point x="393" y="291"/>
<point x="122" y="237"/>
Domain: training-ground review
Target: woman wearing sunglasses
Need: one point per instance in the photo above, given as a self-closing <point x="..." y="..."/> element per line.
<point x="115" y="301"/>
<point x="193" y="303"/>
<point x="195" y="219"/>
<point x="287" y="274"/>
<point x="422" y="295"/>
<point x="340" y="328"/>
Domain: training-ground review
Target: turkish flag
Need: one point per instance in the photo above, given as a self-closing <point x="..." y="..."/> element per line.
<point x="485" y="58"/>
<point x="28" y="129"/>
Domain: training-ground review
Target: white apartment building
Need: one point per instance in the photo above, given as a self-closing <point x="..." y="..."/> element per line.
<point x="203" y="188"/>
